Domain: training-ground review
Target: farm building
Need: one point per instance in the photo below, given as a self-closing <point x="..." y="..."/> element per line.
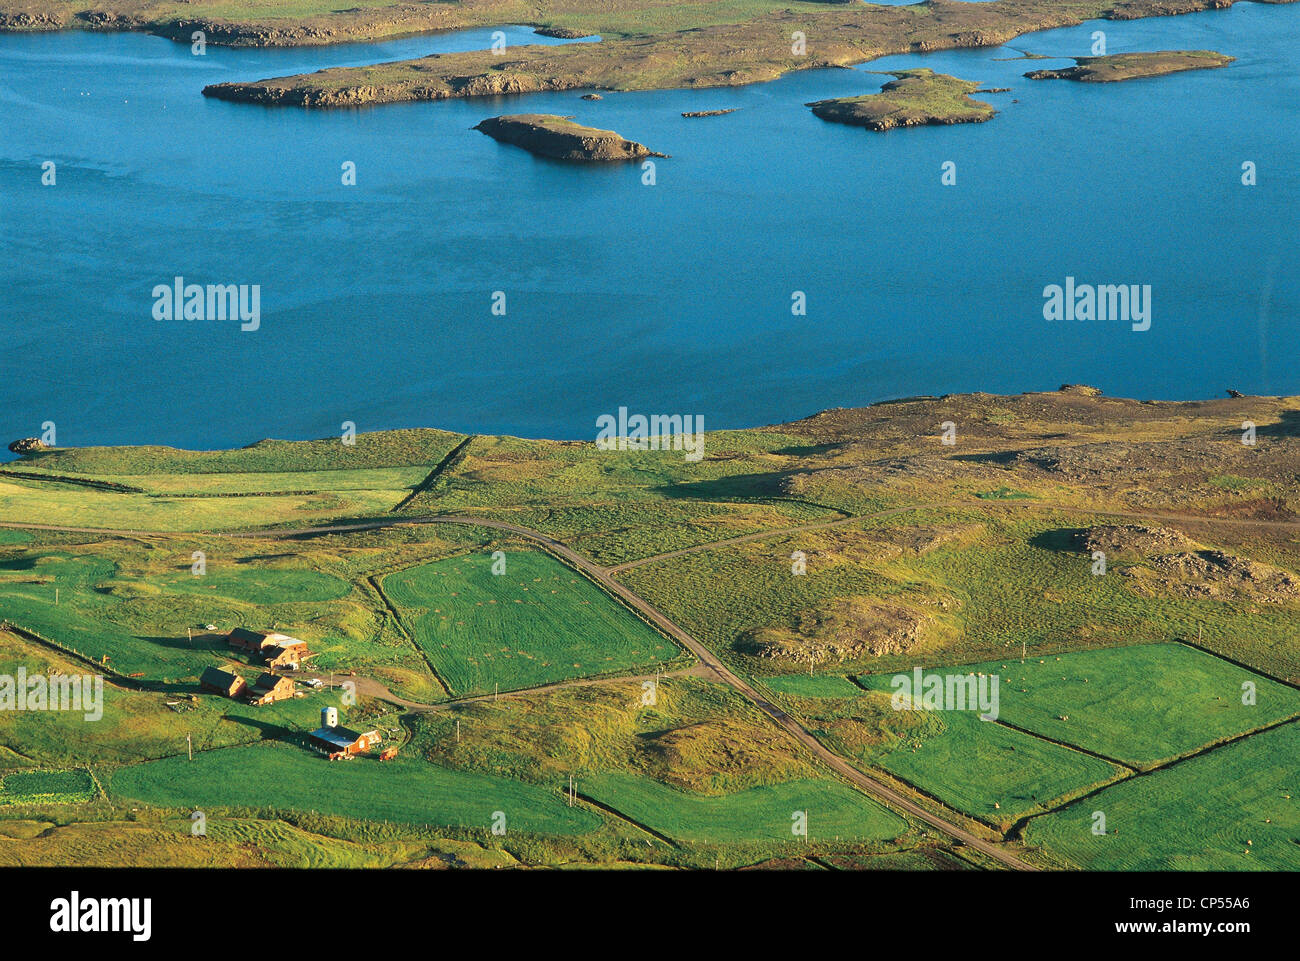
<point x="339" y="742"/>
<point x="288" y="654"/>
<point x="277" y="650"/>
<point x="216" y="681"/>
<point x="269" y="688"/>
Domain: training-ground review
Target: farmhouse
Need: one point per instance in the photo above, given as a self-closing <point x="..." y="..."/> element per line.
<point x="286" y="654"/>
<point x="277" y="650"/>
<point x="269" y="688"/>
<point x="216" y="681"/>
<point x="339" y="742"/>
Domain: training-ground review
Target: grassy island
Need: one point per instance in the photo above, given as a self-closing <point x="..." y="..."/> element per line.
<point x="915" y="98"/>
<point x="1132" y="66"/>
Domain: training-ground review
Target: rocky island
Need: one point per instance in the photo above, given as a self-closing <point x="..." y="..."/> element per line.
<point x="914" y="98"/>
<point x="548" y="135"/>
<point x="1131" y="66"/>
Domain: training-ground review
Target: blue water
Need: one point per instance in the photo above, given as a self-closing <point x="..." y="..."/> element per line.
<point x="673" y="298"/>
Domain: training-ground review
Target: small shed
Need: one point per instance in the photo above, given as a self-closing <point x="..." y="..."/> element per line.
<point x="226" y="683"/>
<point x="339" y="742"/>
<point x="269" y="688"/>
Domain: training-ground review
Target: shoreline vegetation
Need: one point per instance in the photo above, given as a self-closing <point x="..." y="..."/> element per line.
<point x="548" y="135"/>
<point x="641" y="47"/>
<point x="1133" y="66"/>
<point x="915" y="98"/>
<point x="322" y="454"/>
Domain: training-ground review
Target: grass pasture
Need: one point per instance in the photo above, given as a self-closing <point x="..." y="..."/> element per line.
<point x="405" y="791"/>
<point x="982" y="768"/>
<point x="46" y="787"/>
<point x="1139" y="705"/>
<point x="394" y="448"/>
<point x="1236" y="807"/>
<point x="762" y="813"/>
<point x="66" y="505"/>
<point x="973" y="765"/>
<point x="812" y="685"/>
<point x="538" y="623"/>
<point x="258" y="585"/>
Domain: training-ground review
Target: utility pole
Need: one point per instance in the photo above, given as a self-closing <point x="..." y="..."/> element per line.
<point x="496" y="689"/>
<point x="570" y="789"/>
<point x="189" y="744"/>
<point x="457" y="730"/>
<point x="190" y="632"/>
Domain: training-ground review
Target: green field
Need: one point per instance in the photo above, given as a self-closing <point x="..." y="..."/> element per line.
<point x="982" y="768"/>
<point x="812" y="685"/>
<point x="972" y="765"/>
<point x="1138" y="705"/>
<point x="1197" y="815"/>
<point x="138" y="607"/>
<point x="407" y="790"/>
<point x="394" y="448"/>
<point x="538" y="623"/>
<point x="258" y="585"/>
<point x="762" y="813"/>
<point x="46" y="787"/>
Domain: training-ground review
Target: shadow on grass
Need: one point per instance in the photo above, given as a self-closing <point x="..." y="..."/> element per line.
<point x="736" y="487"/>
<point x="1063" y="540"/>
<point x="809" y="450"/>
<point x="1287" y="426"/>
<point x="203" y="642"/>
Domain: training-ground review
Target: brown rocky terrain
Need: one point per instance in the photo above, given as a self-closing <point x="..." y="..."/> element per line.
<point x="851" y="629"/>
<point x="560" y="138"/>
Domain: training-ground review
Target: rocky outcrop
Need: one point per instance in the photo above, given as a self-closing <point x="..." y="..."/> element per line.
<point x="30" y="22"/>
<point x="27" y="445"/>
<point x="560" y="138"/>
<point x="563" y="33"/>
<point x="1133" y="539"/>
<point x="850" y="629"/>
<point x="1215" y="575"/>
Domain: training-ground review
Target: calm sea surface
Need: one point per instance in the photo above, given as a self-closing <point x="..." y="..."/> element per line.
<point x="673" y="298"/>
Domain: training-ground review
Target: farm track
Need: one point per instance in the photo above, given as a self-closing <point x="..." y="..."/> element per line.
<point x="370" y="687"/>
<point x="604" y="576"/>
